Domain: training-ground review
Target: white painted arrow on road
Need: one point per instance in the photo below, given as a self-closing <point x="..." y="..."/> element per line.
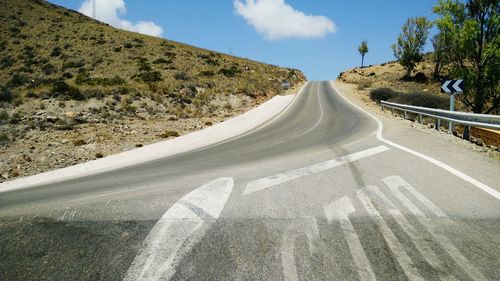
<point x="179" y="230"/>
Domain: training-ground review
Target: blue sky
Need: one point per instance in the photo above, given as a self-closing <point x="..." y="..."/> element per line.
<point x="322" y="47"/>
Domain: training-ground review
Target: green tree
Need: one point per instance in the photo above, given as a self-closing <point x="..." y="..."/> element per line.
<point x="363" y="50"/>
<point x="471" y="32"/>
<point x="440" y="56"/>
<point x="411" y="41"/>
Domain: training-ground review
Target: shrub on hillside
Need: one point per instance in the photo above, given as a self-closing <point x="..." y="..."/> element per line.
<point x="168" y="134"/>
<point x="162" y="61"/>
<point x="138" y="40"/>
<point x="364" y="85"/>
<point x="383" y="94"/>
<point x="4" y="139"/>
<point x="79" y="142"/>
<point x="56" y="52"/>
<point x="143" y="65"/>
<point x="126" y="106"/>
<point x="420" y="77"/>
<point x="181" y="75"/>
<point x="84" y="78"/>
<point x="93" y="93"/>
<point x="67" y="75"/>
<point x="18" y="80"/>
<point x="149" y="76"/>
<point x="73" y="64"/>
<point x="206" y="73"/>
<point x="170" y="55"/>
<point x="26" y="69"/>
<point x="209" y="59"/>
<point x="48" y="69"/>
<point x="7" y="61"/>
<point x="4" y="117"/>
<point x="62" y="89"/>
<point x="424" y="100"/>
<point x="414" y="98"/>
<point x="230" y="72"/>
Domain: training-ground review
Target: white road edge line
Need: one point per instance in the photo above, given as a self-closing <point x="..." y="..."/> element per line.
<point x="270" y="181"/>
<point x="179" y="230"/>
<point x="438" y="163"/>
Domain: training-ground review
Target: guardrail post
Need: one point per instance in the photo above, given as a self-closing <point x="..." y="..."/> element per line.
<point x="466" y="135"/>
<point x="438" y="123"/>
<point x="406" y="114"/>
<point x="392" y="110"/>
<point x="420" y="118"/>
<point x="452" y="108"/>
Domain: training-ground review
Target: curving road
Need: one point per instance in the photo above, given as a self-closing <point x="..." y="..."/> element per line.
<point x="315" y="194"/>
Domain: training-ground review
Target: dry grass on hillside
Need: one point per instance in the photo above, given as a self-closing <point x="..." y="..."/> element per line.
<point x="74" y="89"/>
<point x="391" y="75"/>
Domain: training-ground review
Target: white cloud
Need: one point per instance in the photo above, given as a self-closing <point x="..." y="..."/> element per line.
<point x="276" y="20"/>
<point x="110" y="11"/>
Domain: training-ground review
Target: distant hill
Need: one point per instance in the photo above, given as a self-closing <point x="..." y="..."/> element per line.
<point x="63" y="74"/>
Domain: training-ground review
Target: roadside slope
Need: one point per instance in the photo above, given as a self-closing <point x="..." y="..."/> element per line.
<point x="388" y="81"/>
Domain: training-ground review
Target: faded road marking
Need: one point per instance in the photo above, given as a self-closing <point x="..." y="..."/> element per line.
<point x="340" y="211"/>
<point x="422" y="244"/>
<point x="179" y="230"/>
<point x="307" y="226"/>
<point x="277" y="179"/>
<point x="408" y="266"/>
<point x="395" y="182"/>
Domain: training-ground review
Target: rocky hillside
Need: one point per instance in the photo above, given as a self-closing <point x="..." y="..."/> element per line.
<point x="391" y="75"/>
<point x="388" y="79"/>
<point x="74" y="89"/>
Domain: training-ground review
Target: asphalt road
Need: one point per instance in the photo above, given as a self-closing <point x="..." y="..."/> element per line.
<point x="312" y="195"/>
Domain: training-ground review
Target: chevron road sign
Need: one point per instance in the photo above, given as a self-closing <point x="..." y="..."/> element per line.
<point x="452" y="86"/>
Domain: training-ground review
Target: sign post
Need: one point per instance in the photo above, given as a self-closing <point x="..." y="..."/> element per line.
<point x="452" y="87"/>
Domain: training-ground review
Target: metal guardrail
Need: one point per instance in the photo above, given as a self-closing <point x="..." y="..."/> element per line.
<point x="464" y="118"/>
